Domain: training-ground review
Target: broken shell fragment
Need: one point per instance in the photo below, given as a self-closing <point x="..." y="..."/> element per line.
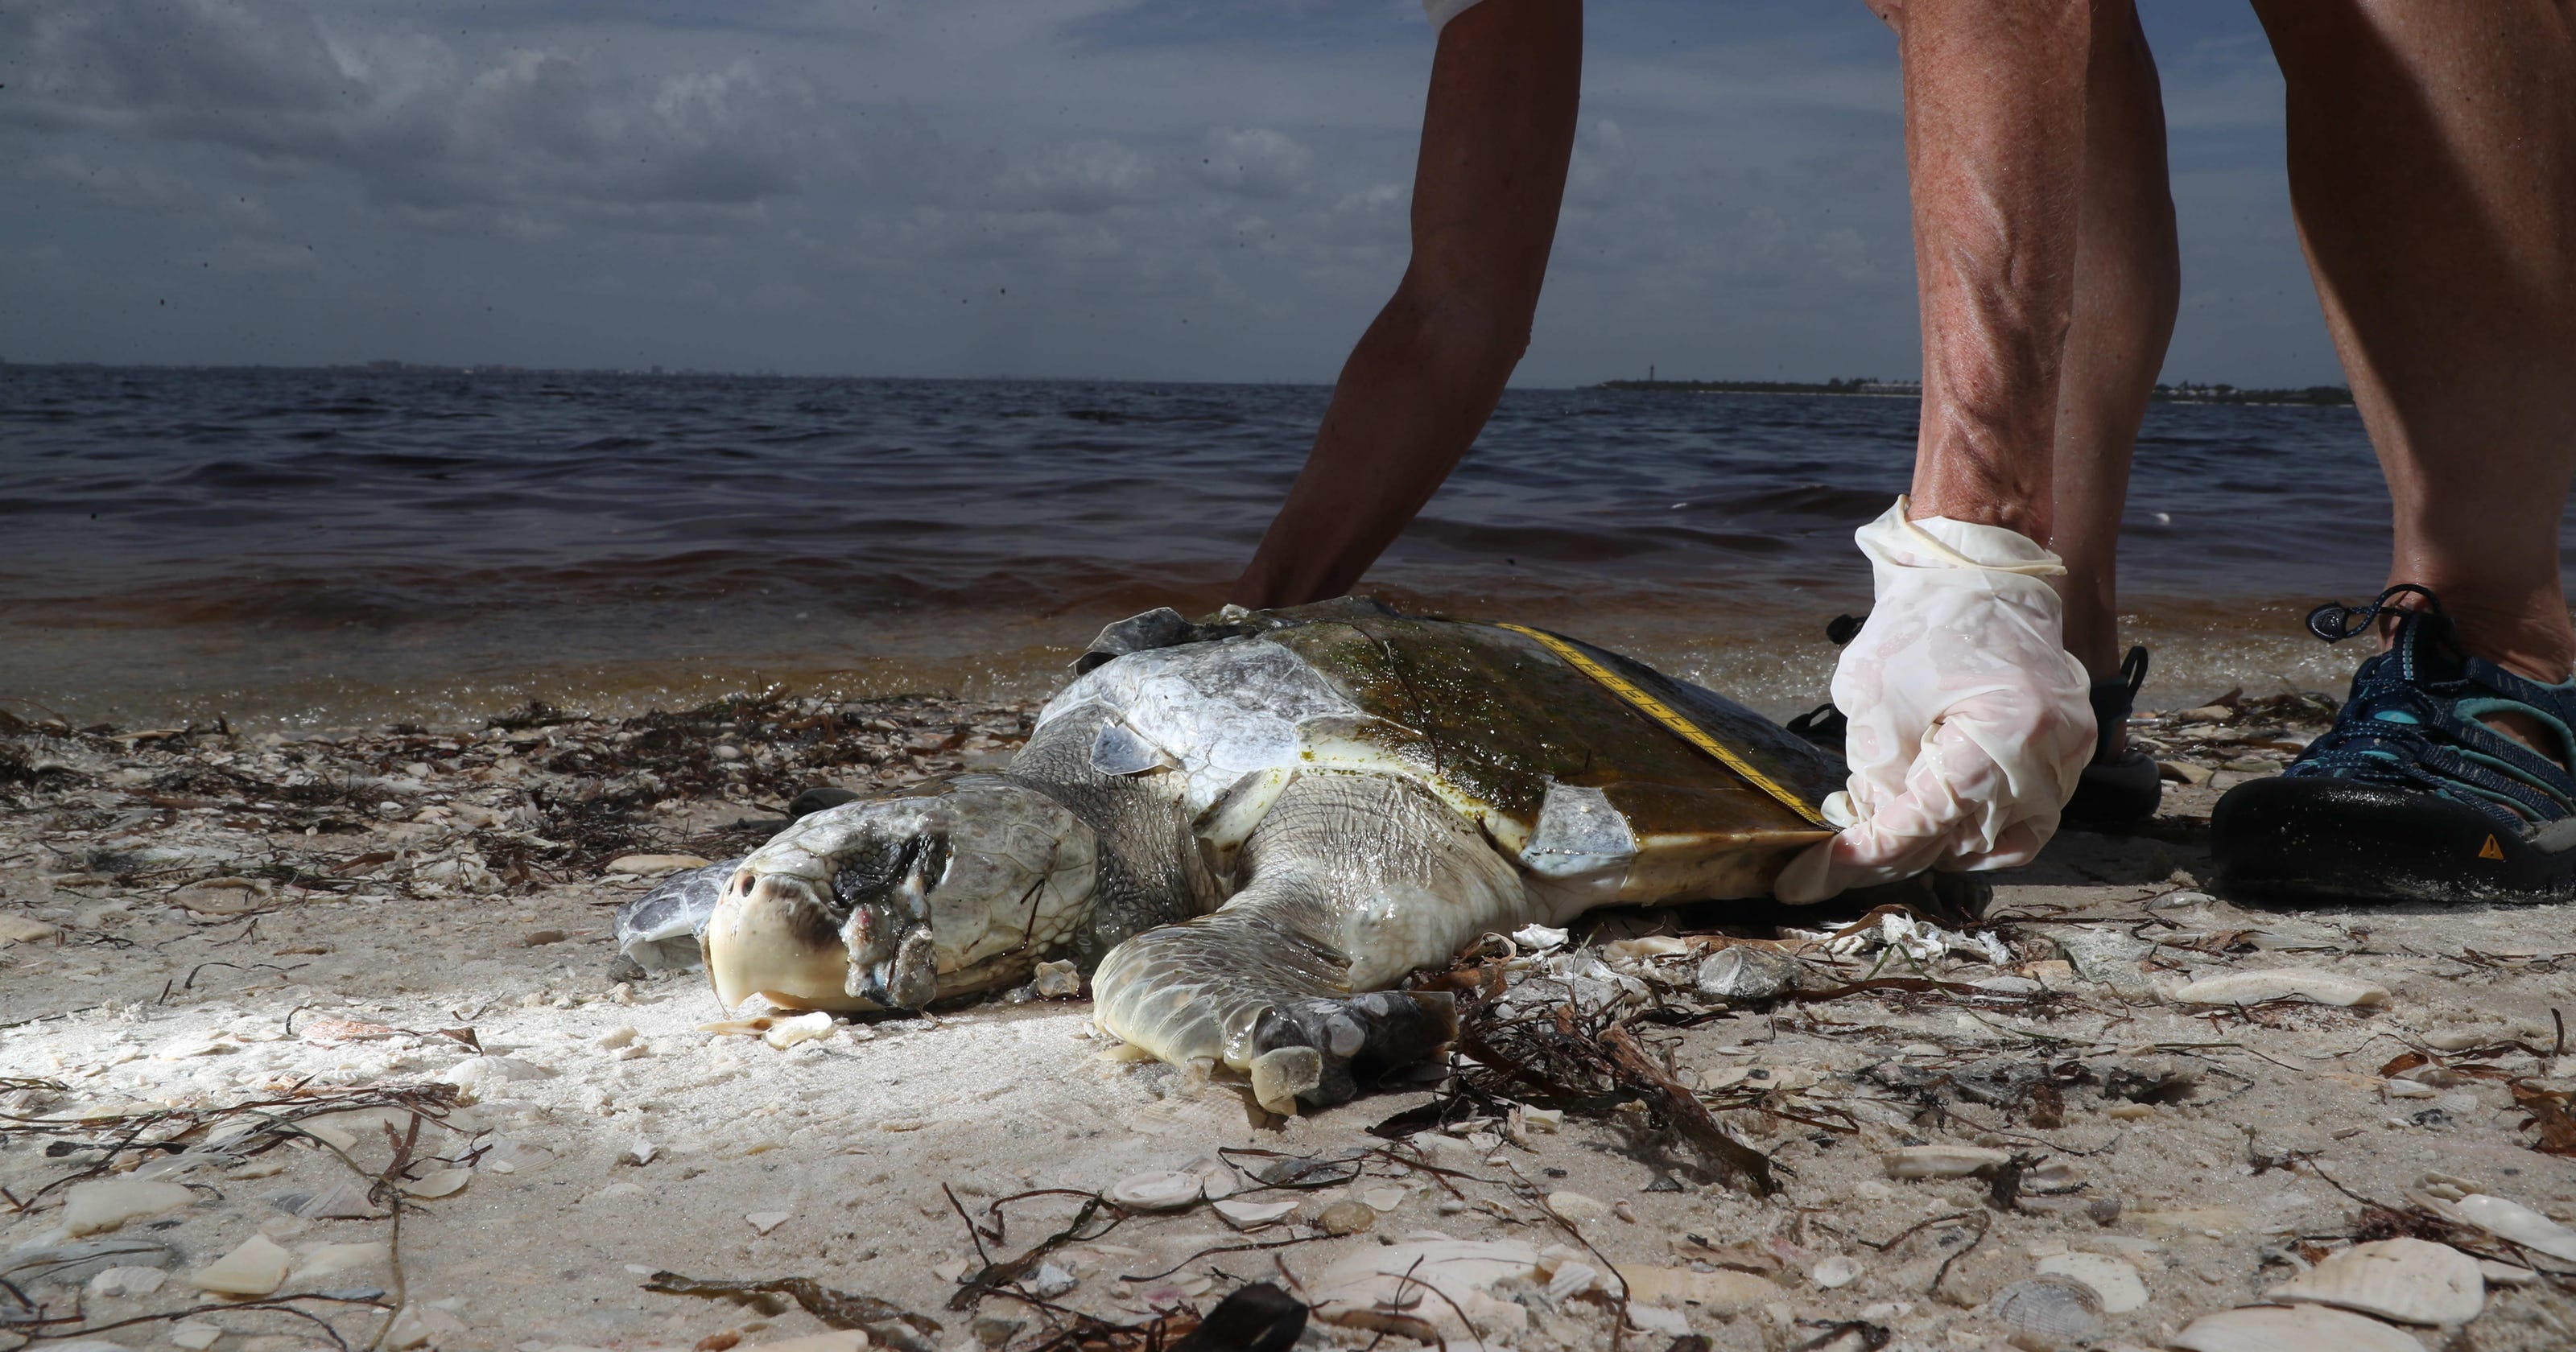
<point x="443" y="1183"/>
<point x="1252" y="1215"/>
<point x="1577" y="1207"/>
<point x="2280" y="983"/>
<point x="1724" y="1289"/>
<point x="1833" y="1272"/>
<point x="2411" y="1281"/>
<point x="763" y="1222"/>
<point x="1057" y="980"/>
<point x="257" y="1268"/>
<point x="785" y="1033"/>
<point x="2512" y="1220"/>
<point x="1940" y="1161"/>
<point x="97" y="1207"/>
<point x="2295" y="1328"/>
<point x="1156" y="1192"/>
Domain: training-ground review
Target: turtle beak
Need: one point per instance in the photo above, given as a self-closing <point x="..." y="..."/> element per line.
<point x="771" y="936"/>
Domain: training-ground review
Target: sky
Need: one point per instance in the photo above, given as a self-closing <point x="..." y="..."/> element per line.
<point x="1132" y="189"/>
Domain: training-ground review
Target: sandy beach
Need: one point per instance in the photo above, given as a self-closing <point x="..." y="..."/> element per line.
<point x="257" y="992"/>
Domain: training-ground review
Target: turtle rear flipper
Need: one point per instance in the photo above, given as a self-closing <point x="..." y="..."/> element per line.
<point x="1354" y="880"/>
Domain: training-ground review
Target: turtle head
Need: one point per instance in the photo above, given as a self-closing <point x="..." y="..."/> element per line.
<point x="950" y="886"/>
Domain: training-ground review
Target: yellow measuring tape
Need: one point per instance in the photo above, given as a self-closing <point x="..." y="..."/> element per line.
<point x="1667" y="715"/>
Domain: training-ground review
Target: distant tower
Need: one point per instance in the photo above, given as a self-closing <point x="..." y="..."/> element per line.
<point x="1650" y="373"/>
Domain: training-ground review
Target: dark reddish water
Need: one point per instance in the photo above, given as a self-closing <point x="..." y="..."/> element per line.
<point x="341" y="546"/>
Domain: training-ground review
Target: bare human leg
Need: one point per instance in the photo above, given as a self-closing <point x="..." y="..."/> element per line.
<point x="2433" y="169"/>
<point x="1497" y="132"/>
<point x="2127" y="285"/>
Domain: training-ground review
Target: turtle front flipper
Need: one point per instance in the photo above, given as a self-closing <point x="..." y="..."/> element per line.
<point x="1354" y="880"/>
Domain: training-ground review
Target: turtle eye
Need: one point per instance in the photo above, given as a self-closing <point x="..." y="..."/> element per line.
<point x="869" y="872"/>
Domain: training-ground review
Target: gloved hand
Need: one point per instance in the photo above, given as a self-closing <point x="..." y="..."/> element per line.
<point x="1969" y="719"/>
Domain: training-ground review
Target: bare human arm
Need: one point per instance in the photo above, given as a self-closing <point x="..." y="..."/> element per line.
<point x="1497" y="132"/>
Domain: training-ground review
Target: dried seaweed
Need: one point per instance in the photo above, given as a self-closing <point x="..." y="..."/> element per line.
<point x="883" y="1321"/>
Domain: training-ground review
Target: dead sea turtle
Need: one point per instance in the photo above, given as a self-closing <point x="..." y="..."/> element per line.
<point x="1248" y="829"/>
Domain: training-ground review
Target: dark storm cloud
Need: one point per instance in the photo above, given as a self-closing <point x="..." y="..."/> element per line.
<point x="1145" y="188"/>
<point x="412" y="118"/>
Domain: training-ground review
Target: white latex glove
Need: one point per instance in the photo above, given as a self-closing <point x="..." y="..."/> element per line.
<point x="1970" y="722"/>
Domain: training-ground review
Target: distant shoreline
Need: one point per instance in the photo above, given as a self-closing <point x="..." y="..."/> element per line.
<point x="2312" y="396"/>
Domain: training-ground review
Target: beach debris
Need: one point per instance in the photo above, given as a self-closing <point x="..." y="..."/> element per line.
<point x="342" y="1200"/>
<point x="1743" y="972"/>
<point x="26" y="929"/>
<point x="330" y="1260"/>
<point x="1431" y="1287"/>
<point x="2313" y="984"/>
<point x="196" y="1335"/>
<point x="1058" y="980"/>
<point x="1384" y="1199"/>
<point x="223" y="896"/>
<point x="1167" y="1191"/>
<point x="2046" y="1313"/>
<point x="788" y="1032"/>
<point x="1244" y="1215"/>
<point x="1577" y="1207"/>
<point x="838" y="1340"/>
<point x="2113" y="1279"/>
<point x="1722" y="1289"/>
<point x="1258" y="1317"/>
<point x="77" y="1261"/>
<point x="1833" y="1272"/>
<point x="417" y="1325"/>
<point x="652" y="865"/>
<point x="2511" y="1220"/>
<point x="1347" y="1217"/>
<point x="2291" y="1328"/>
<point x="256" y="1268"/>
<point x="2410" y="1281"/>
<point x="1540" y="938"/>
<point x="883" y="1321"/>
<point x="762" y="1222"/>
<point x="1940" y="1161"/>
<point x="102" y="1205"/>
<point x="1051" y="1280"/>
<point x="128" y="1281"/>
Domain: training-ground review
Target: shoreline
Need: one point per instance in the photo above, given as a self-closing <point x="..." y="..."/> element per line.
<point x="367" y="930"/>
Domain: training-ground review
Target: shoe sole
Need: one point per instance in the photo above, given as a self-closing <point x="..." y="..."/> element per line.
<point x="2304" y="840"/>
<point x="2111" y="797"/>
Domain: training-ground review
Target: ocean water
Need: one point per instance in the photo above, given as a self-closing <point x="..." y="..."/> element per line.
<point x="343" y="547"/>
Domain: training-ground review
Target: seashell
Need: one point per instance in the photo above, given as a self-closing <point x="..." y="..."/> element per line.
<point x="2411" y="1281"/>
<point x="2514" y="1221"/>
<point x="97" y="1207"/>
<point x="2294" y="1328"/>
<point x="1432" y="1280"/>
<point x="2506" y="1274"/>
<point x="762" y="1222"/>
<point x="343" y="1200"/>
<point x="257" y="1268"/>
<point x="1940" y="1161"/>
<point x="1252" y="1215"/>
<point x="127" y="1281"/>
<point x="1724" y="1289"/>
<point x="2280" y="983"/>
<point x="441" y="1183"/>
<point x="21" y="929"/>
<point x="332" y="1259"/>
<point x="1156" y="1192"/>
<point x="785" y="1033"/>
<point x="2113" y="1279"/>
<point x="1383" y="1199"/>
<point x="1833" y="1272"/>
<point x="1572" y="1279"/>
<point x="1347" y="1218"/>
<point x="1576" y="1207"/>
<point x="2047" y="1311"/>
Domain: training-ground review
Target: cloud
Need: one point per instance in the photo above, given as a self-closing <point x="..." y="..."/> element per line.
<point x="414" y="120"/>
